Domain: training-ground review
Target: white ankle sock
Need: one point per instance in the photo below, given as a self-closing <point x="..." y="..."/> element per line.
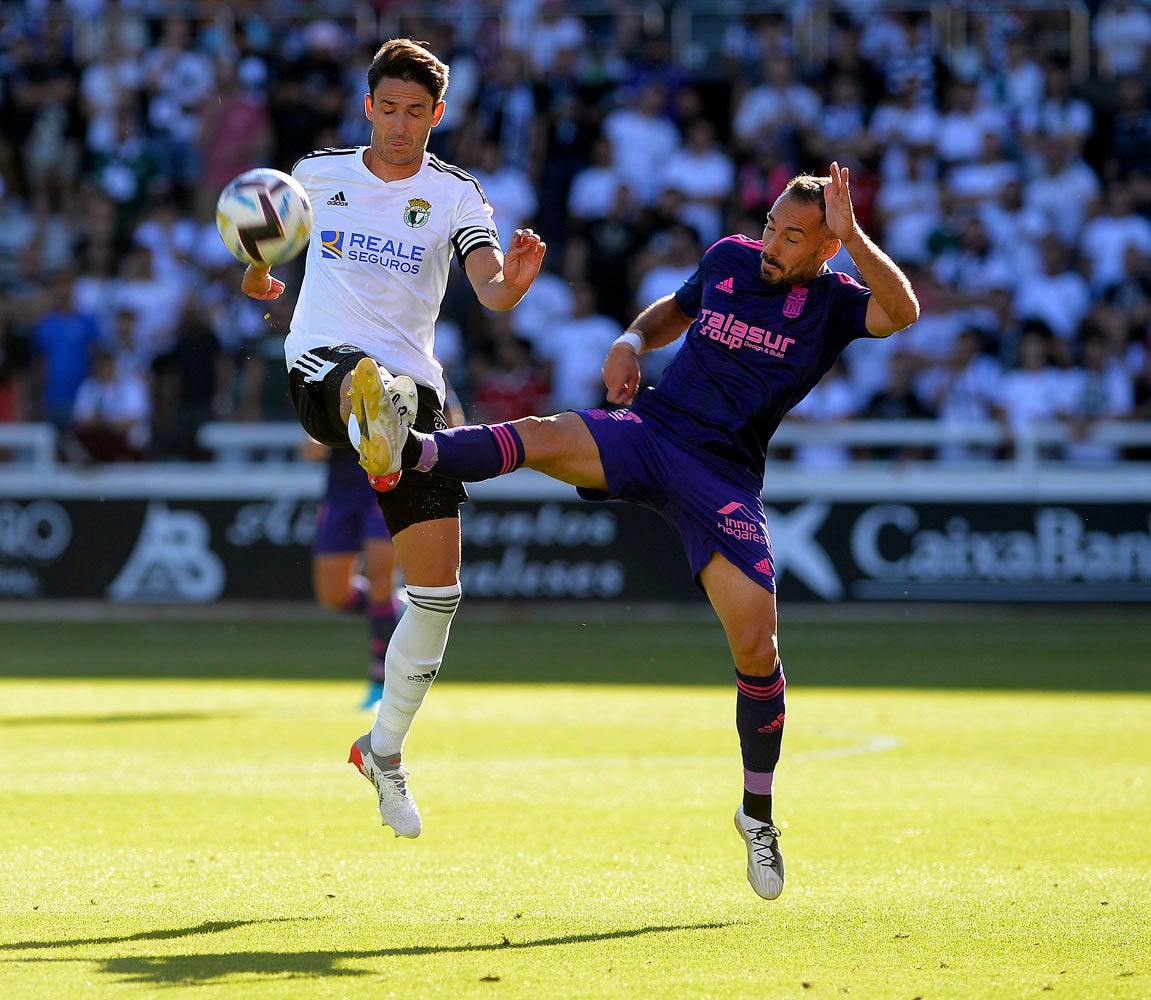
<point x="413" y="658"/>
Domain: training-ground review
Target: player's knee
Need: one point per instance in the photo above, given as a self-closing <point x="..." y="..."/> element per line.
<point x="549" y="442"/>
<point x="756" y="652"/>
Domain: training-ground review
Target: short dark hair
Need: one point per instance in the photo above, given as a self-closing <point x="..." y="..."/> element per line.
<point x="809" y="189"/>
<point x="412" y="61"/>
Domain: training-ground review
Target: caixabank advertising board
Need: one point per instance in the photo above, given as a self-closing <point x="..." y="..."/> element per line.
<point x="188" y="549"/>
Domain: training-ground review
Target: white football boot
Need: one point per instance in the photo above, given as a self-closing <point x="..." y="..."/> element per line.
<point x="397" y="807"/>
<point x="764" y="862"/>
<point x="383" y="408"/>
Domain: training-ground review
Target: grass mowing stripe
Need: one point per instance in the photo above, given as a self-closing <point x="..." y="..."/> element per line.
<point x="219" y="842"/>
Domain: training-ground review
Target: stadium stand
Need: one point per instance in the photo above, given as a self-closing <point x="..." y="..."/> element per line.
<point x="999" y="150"/>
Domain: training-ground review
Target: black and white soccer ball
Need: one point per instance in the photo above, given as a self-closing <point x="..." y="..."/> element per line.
<point x="264" y="217"/>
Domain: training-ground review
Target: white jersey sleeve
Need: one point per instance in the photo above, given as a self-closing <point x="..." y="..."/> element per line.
<point x="377" y="265"/>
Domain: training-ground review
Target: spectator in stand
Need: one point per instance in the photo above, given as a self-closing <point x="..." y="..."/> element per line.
<point x="705" y="176"/>
<point x="193" y="383"/>
<point x="126" y="172"/>
<point x="833" y="400"/>
<point x="974" y="265"/>
<point x="909" y="210"/>
<point x="507" y="381"/>
<point x="761" y="179"/>
<point x="575" y="349"/>
<point x="112" y="80"/>
<point x="1132" y="295"/>
<point x="569" y="106"/>
<point x="1060" y="113"/>
<point x="236" y="135"/>
<point x="899" y="400"/>
<point x="778" y="110"/>
<point x="505" y="112"/>
<point x="1130" y="137"/>
<point x="156" y="301"/>
<point x="1015" y="227"/>
<point x="963" y="389"/>
<point x="1121" y="33"/>
<point x="1062" y="188"/>
<point x="965" y="122"/>
<point x="1033" y="392"/>
<point x="594" y="187"/>
<point x="1021" y="78"/>
<point x="14" y="364"/>
<point x="643" y="139"/>
<point x="604" y="254"/>
<point x="111" y="412"/>
<point x="899" y="124"/>
<point x="63" y="342"/>
<point x="508" y="189"/>
<point x="1058" y="295"/>
<point x="549" y="301"/>
<point x="1106" y="238"/>
<point x="841" y="122"/>
<point x="179" y="80"/>
<point x="1098" y="389"/>
<point x="307" y="91"/>
<point x="981" y="182"/>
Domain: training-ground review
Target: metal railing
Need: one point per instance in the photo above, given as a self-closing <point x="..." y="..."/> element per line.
<point x="33" y="446"/>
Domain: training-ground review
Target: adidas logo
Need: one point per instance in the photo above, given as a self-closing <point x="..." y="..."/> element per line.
<point x="338" y="199"/>
<point x="727" y="285"/>
<point x="764" y="567"/>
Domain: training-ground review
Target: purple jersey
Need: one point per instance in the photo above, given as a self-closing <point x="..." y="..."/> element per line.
<point x="750" y="355"/>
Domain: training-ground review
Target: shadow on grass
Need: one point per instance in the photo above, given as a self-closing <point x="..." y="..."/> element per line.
<point x="19" y="721"/>
<point x="161" y="970"/>
<point x="168" y="934"/>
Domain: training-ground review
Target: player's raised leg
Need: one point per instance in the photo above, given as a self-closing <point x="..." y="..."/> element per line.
<point x="747" y="612"/>
<point x="560" y="446"/>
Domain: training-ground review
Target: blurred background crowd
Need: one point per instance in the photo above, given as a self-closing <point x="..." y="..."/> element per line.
<point x="1000" y="153"/>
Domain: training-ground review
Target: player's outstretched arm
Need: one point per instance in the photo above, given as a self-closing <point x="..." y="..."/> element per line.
<point x="658" y="325"/>
<point x="501" y="281"/>
<point x="893" y="304"/>
<point x="258" y="283"/>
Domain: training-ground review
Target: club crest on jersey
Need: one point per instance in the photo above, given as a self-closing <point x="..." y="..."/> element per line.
<point x="417" y="213"/>
<point x="794" y="304"/>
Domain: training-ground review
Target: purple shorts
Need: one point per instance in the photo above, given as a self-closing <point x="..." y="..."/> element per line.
<point x="710" y="512"/>
<point x="345" y="523"/>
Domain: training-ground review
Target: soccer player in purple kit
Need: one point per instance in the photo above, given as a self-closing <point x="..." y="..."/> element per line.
<point x="764" y="321"/>
<point x="353" y="558"/>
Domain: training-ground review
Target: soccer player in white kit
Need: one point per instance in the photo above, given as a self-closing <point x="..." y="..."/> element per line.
<point x="388" y="219"/>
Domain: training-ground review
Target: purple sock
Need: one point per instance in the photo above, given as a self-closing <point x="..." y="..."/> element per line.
<point x="381" y="625"/>
<point x="471" y="453"/>
<point x="759" y="717"/>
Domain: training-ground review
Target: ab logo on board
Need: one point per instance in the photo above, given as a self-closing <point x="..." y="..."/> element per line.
<point x="172" y="561"/>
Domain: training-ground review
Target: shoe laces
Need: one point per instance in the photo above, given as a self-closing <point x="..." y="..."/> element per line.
<point x="763" y="843"/>
<point x="398" y="776"/>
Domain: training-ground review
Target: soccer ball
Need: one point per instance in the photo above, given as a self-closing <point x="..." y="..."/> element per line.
<point x="264" y="217"/>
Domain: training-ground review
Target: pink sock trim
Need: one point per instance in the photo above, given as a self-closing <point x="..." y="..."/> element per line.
<point x="506" y="446"/>
<point x="758" y="782"/>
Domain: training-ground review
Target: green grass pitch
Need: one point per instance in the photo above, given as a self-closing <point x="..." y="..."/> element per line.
<point x="965" y="807"/>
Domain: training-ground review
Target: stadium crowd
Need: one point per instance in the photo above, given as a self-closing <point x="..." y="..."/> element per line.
<point x="1011" y="182"/>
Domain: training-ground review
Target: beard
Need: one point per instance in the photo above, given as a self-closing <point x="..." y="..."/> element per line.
<point x="777" y="279"/>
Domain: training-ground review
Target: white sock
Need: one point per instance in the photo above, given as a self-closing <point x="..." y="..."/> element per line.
<point x="412" y="661"/>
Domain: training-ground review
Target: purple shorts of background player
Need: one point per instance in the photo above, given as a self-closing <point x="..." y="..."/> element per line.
<point x="348" y="517"/>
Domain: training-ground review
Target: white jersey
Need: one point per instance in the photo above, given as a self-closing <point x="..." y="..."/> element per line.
<point x="377" y="264"/>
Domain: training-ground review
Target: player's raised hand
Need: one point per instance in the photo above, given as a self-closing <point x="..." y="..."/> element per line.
<point x="837" y="196"/>
<point x="524" y="259"/>
<point x="258" y="283"/>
